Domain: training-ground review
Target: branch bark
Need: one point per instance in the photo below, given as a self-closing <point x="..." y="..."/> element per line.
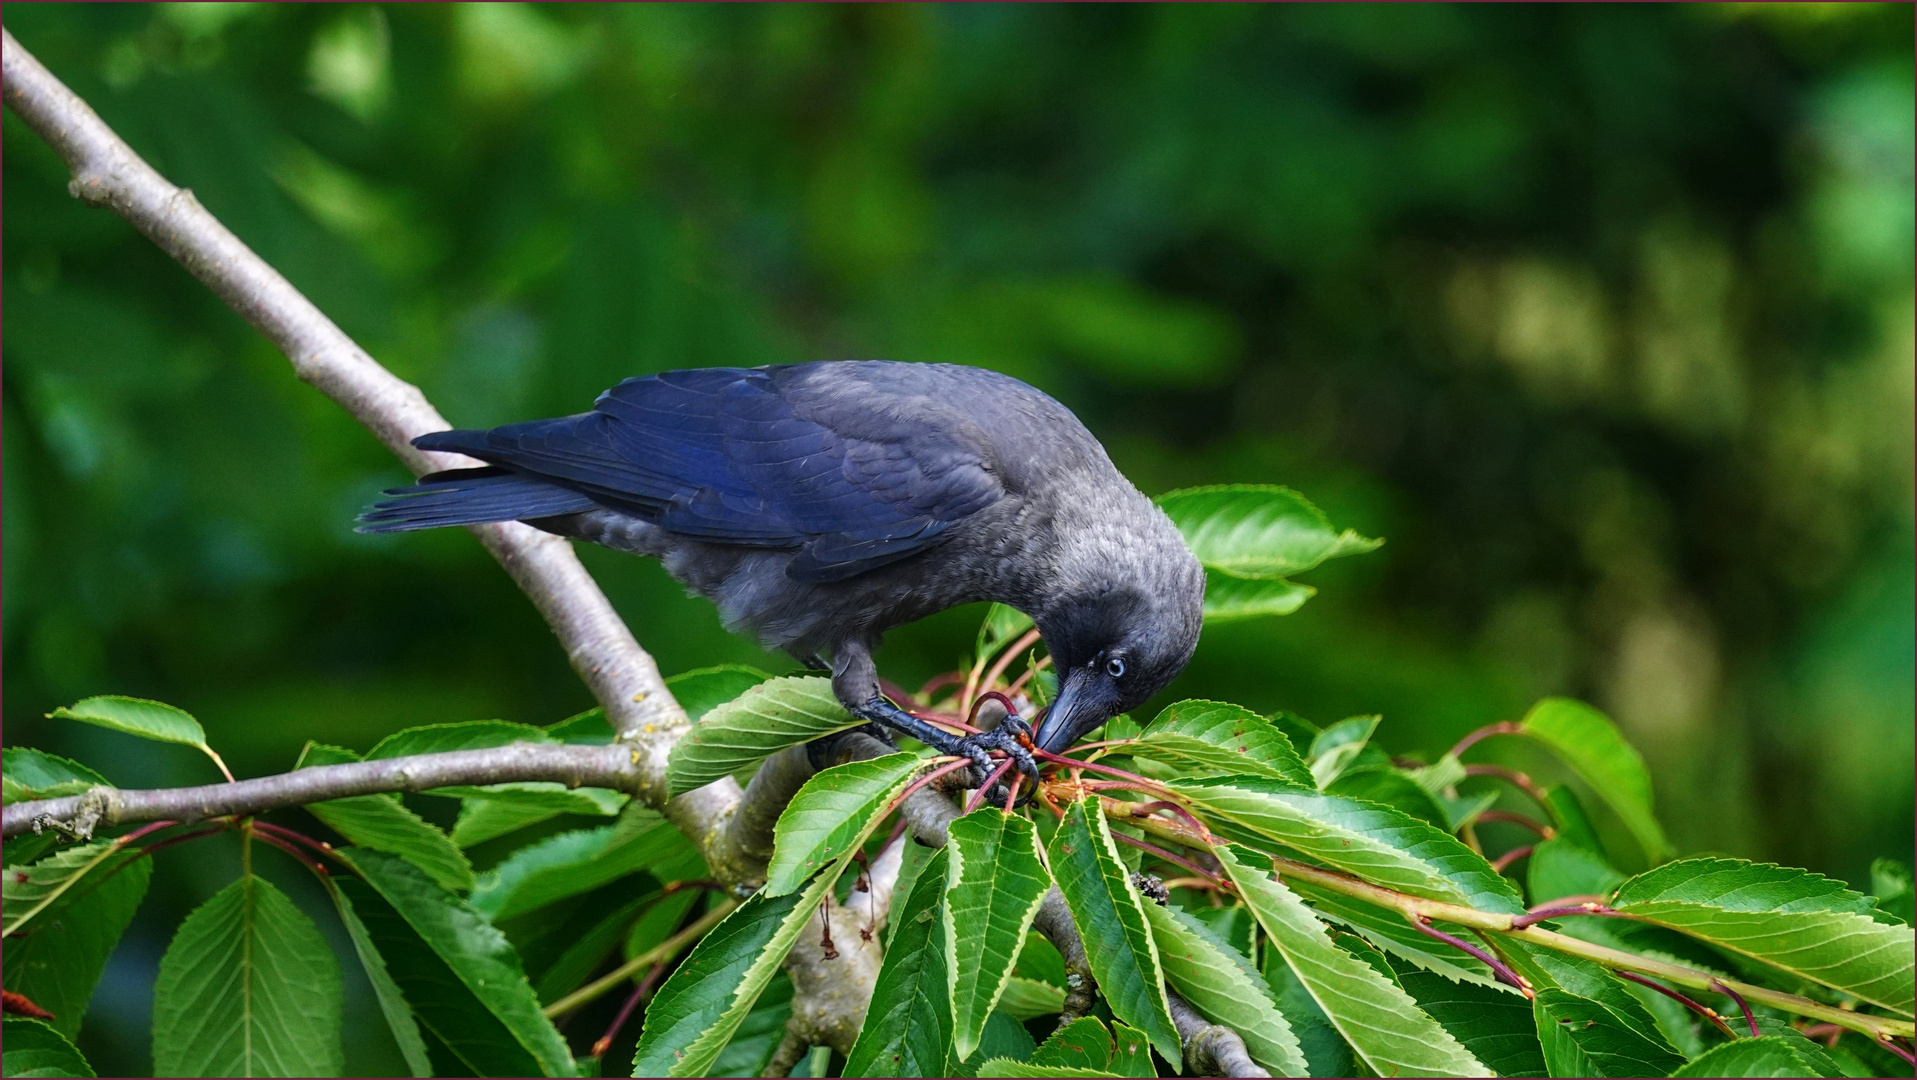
<point x="615" y="766"/>
<point x="1210" y="1049"/>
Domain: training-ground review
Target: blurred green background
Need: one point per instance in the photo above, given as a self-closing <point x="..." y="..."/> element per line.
<point x="1601" y="315"/>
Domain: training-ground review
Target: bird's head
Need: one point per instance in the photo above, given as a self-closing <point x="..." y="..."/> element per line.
<point x="1124" y="629"/>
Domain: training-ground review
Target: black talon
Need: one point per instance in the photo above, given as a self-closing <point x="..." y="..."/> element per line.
<point x="1019" y="736"/>
<point x="1010" y="736"/>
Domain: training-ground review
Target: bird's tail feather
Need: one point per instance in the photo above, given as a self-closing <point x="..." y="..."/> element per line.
<point x="454" y="441"/>
<point x="469" y="497"/>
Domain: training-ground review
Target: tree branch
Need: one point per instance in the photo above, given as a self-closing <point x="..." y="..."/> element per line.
<point x="791" y="1048"/>
<point x="614" y="766"/>
<point x="1210" y="1050"/>
<point x="1054" y="923"/>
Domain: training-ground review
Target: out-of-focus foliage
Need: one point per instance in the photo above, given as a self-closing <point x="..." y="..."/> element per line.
<point x="1600" y="315"/>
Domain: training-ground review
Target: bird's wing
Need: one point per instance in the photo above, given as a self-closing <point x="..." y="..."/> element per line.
<point x="857" y="475"/>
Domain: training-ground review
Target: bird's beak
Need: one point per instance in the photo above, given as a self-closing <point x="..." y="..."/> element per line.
<point x="1063" y="722"/>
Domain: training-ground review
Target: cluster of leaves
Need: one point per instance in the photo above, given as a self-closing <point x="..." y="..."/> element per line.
<point x="1296" y="884"/>
<point x="1319" y="973"/>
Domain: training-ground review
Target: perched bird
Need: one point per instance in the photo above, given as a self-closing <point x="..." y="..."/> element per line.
<point x="820" y="505"/>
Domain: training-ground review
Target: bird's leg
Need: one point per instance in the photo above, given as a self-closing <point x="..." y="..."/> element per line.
<point x="1013" y="735"/>
<point x="824" y="752"/>
<point x="855" y="683"/>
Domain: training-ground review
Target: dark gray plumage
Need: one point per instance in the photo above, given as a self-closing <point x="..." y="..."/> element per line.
<point x="820" y="505"/>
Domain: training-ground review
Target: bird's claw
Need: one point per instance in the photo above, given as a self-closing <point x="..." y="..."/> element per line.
<point x="1013" y="736"/>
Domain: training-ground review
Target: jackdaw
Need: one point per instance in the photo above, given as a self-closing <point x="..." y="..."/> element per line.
<point x="820" y="505"/>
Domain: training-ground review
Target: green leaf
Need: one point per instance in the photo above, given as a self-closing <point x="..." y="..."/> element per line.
<point x="1229" y="599"/>
<point x="1380" y="1021"/>
<point x="1233" y="926"/>
<point x="1464" y="810"/>
<point x="1559" y="867"/>
<point x="1569" y="818"/>
<point x="1004" y="1038"/>
<point x="445" y="738"/>
<point x="543" y="935"/>
<point x="570" y="863"/>
<point x="1394" y="788"/>
<point x="34" y="1048"/>
<point x="1040" y="962"/>
<point x="137" y="716"/>
<point x="27" y="774"/>
<point x="1003" y="623"/>
<point x="1587" y="741"/>
<point x="659" y="922"/>
<point x="383" y="823"/>
<point x="588" y="728"/>
<point x="1768" y="1056"/>
<point x="1794" y="920"/>
<point x="1217" y="737"/>
<point x="1008" y="1067"/>
<point x="1337" y="746"/>
<point x="451" y="1021"/>
<point x="764" y="720"/>
<point x="1387" y="930"/>
<point x="1446" y="772"/>
<point x="759" y="1033"/>
<point x="1374" y="842"/>
<point x="464" y="961"/>
<point x="58" y="962"/>
<point x="908" y="1027"/>
<point x="995" y="886"/>
<point x="392" y="1000"/>
<point x="587" y="949"/>
<point x="1860" y="1057"/>
<point x="1131" y="1052"/>
<point x="1632" y="1032"/>
<point x="1111" y="919"/>
<point x="248" y="987"/>
<point x="1890" y="882"/>
<point x="1028" y="999"/>
<point x="693" y="1016"/>
<point x="702" y="690"/>
<point x="1224" y="989"/>
<point x="829" y="812"/>
<point x="1498" y="1028"/>
<point x="1258" y="530"/>
<point x="1326" y="1051"/>
<point x="1082" y="1044"/>
<point x="44" y="888"/>
<point x="913" y="861"/>
<point x="481" y="820"/>
<point x="547" y="795"/>
<point x="1299" y="730"/>
<point x="1583" y="1037"/>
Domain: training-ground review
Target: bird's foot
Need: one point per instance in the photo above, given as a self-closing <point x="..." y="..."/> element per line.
<point x="1013" y="736"/>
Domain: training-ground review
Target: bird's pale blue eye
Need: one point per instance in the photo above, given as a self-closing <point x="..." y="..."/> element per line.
<point x="1115" y="668"/>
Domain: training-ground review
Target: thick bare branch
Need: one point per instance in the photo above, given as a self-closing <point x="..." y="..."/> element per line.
<point x="791" y="1048"/>
<point x="1210" y="1049"/>
<point x="615" y="766"/>
<point x="1054" y="922"/>
<point x="106" y="172"/>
